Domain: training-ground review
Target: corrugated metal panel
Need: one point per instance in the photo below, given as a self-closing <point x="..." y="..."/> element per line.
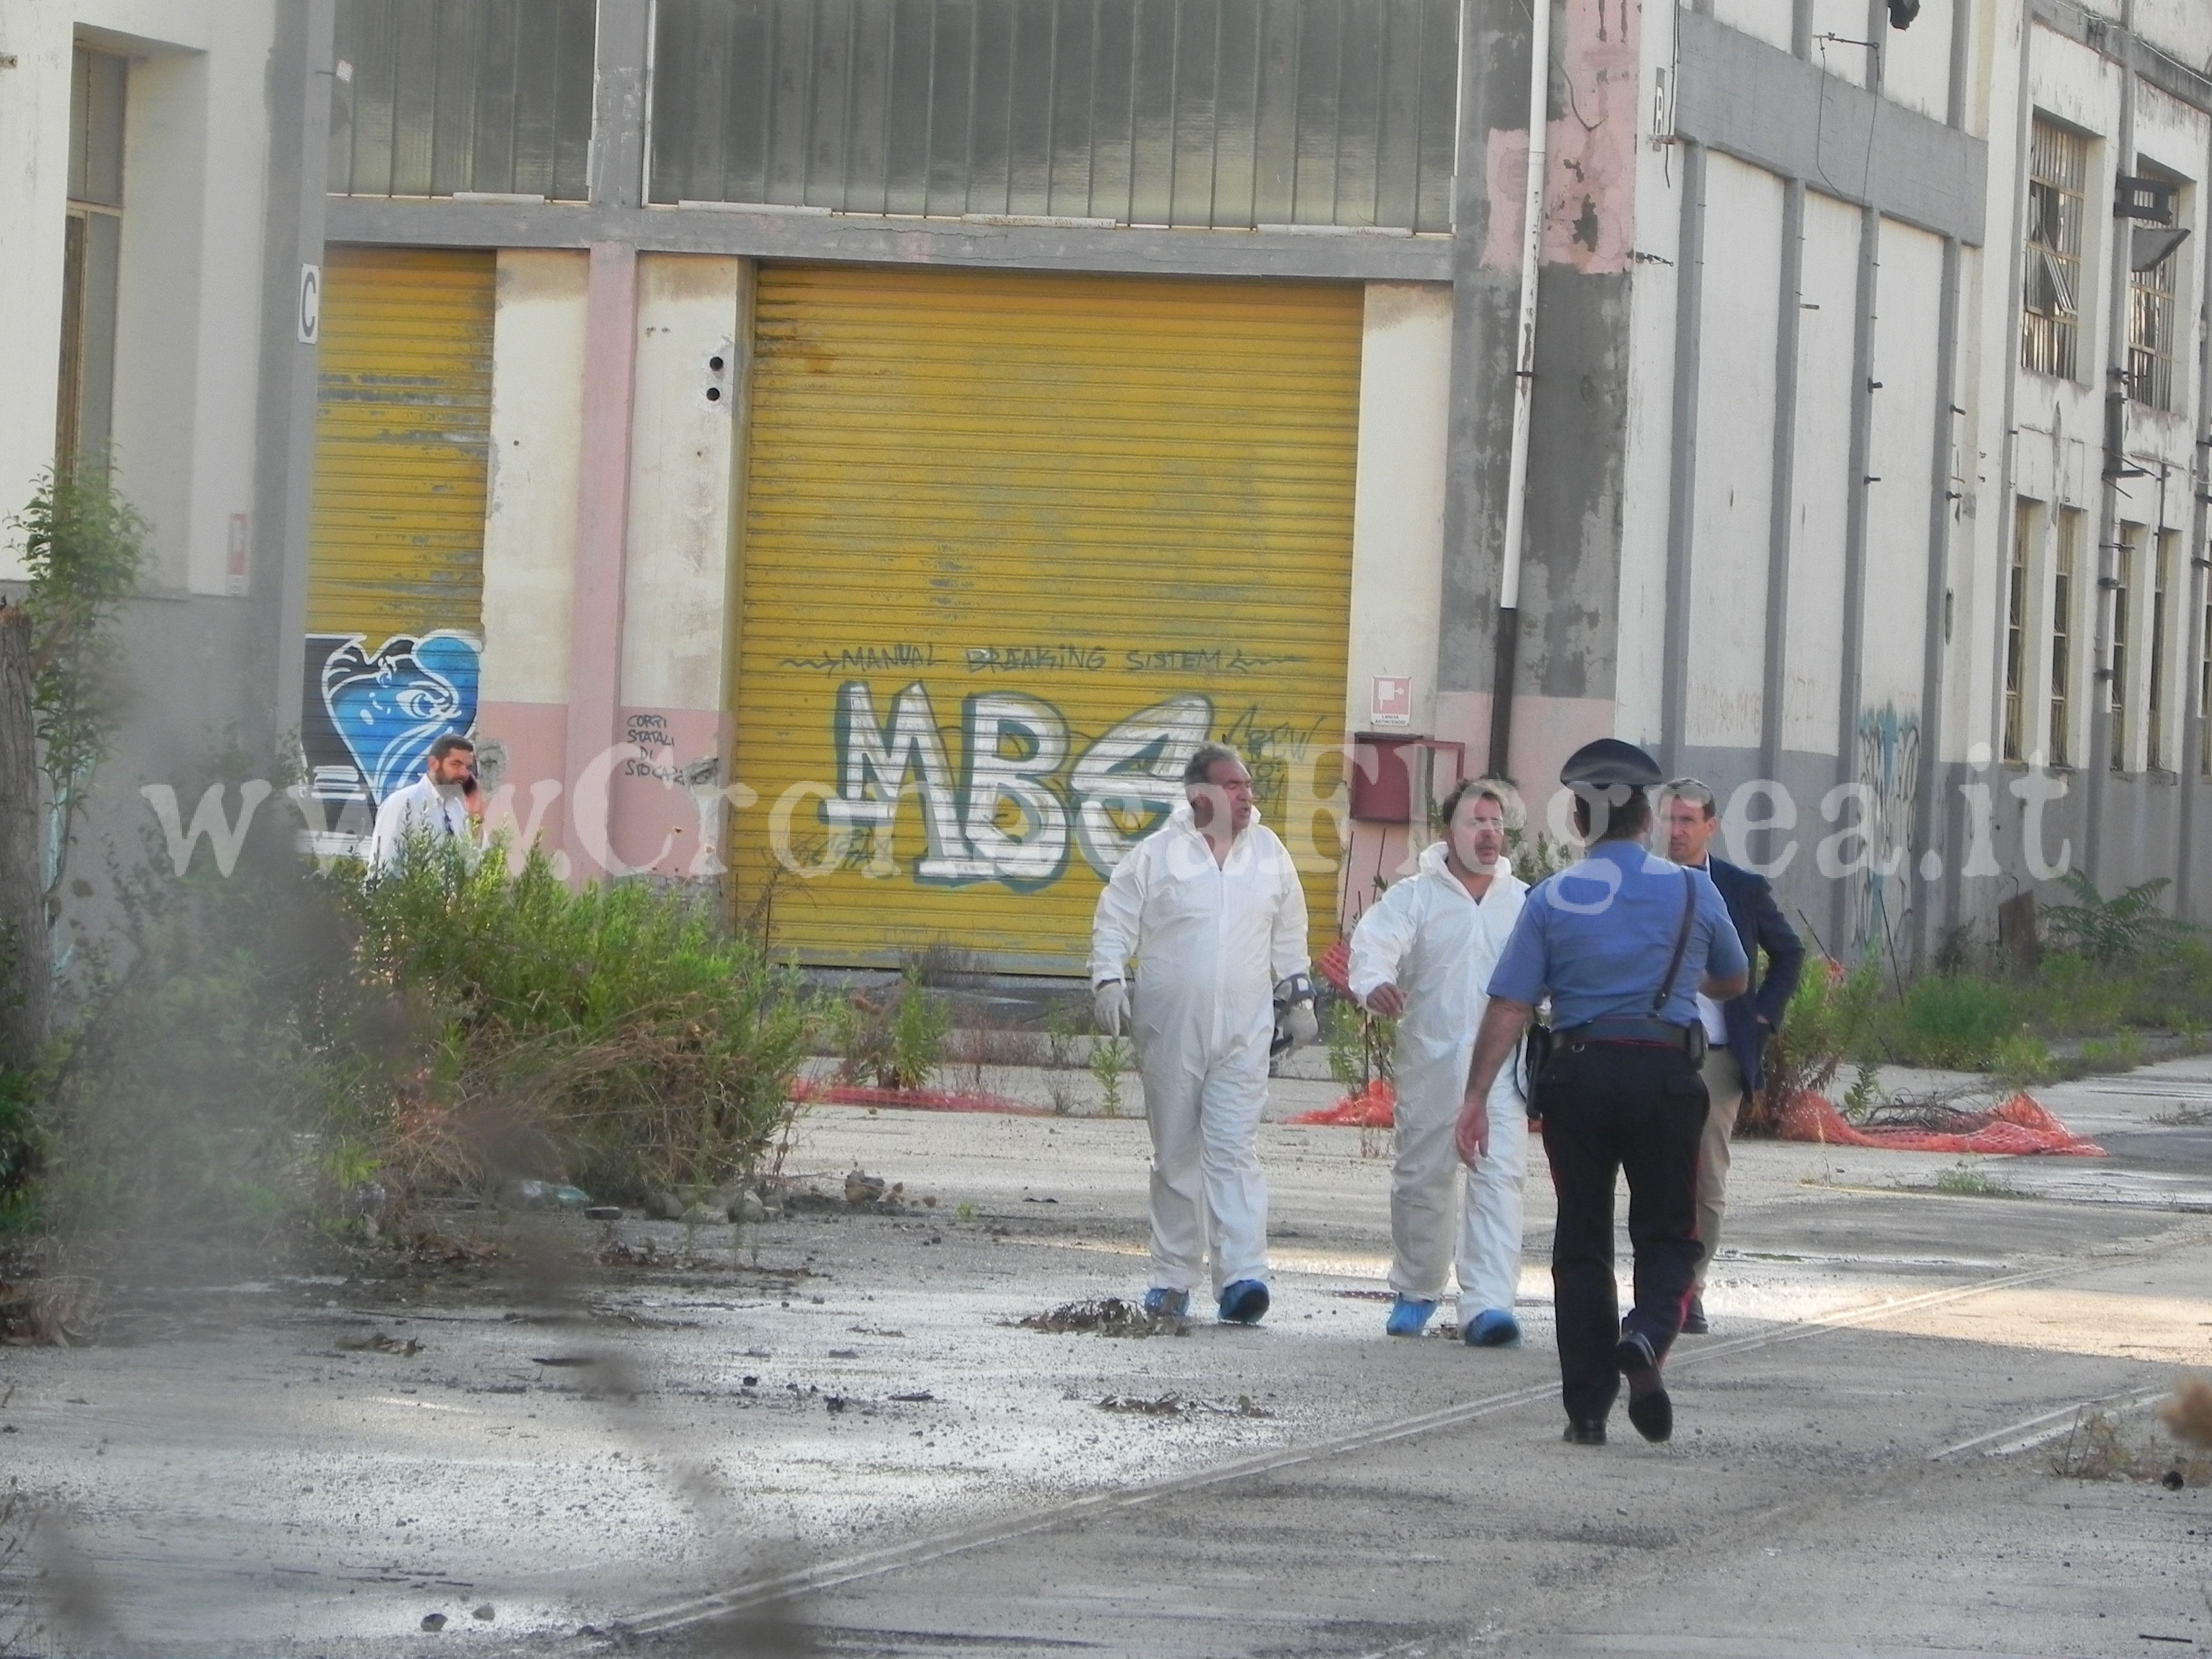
<point x="1198" y="113"/>
<point x="1028" y="539"/>
<point x="403" y="428"/>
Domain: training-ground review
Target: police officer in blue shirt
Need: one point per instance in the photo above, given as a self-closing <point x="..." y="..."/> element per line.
<point x="1622" y="942"/>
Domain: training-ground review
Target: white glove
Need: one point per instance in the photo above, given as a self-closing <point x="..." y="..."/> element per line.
<point x="1301" y="1025"/>
<point x="1109" y="1006"/>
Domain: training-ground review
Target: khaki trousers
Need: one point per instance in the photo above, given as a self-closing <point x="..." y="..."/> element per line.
<point x="1724" y="1088"/>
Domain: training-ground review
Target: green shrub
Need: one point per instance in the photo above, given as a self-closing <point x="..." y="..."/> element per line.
<point x="1830" y="1020"/>
<point x="614" y="1035"/>
<point x="1953" y="1021"/>
<point x="2115" y="929"/>
<point x="895" y="1041"/>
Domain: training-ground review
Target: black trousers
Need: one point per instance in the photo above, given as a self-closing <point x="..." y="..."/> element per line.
<point x="1609" y="1106"/>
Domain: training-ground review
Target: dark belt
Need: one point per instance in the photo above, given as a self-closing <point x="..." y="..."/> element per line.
<point x="1629" y="1029"/>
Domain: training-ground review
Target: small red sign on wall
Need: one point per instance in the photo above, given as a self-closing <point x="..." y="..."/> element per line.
<point x="1392" y="702"/>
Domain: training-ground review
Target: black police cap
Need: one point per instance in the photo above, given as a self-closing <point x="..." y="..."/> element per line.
<point x="1609" y="764"/>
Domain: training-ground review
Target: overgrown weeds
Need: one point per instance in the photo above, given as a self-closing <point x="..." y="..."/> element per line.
<point x="613" y="1035"/>
<point x="285" y="1047"/>
<point x="893" y="1039"/>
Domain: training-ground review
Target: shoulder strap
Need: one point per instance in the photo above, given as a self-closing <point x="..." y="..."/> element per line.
<point x="1681" y="944"/>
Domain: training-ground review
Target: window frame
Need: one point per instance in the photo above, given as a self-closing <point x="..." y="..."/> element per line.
<point x="2058" y="172"/>
<point x="2065" y="574"/>
<point x="2015" y="736"/>
<point x="2117" y="700"/>
<point x="92" y="236"/>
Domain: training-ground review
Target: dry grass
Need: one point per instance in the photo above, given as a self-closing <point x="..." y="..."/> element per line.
<point x="2100" y="1446"/>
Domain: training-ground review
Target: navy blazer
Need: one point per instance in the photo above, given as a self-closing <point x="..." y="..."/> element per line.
<point x="1762" y="926"/>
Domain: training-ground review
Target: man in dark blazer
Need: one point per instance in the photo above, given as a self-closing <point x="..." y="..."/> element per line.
<point x="1735" y="1031"/>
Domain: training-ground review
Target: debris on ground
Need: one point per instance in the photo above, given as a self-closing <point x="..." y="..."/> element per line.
<point x="61" y="1310"/>
<point x="604" y="1212"/>
<point x="873" y="1193"/>
<point x="861" y="1188"/>
<point x="1176" y="1405"/>
<point x="486" y="1613"/>
<point x="1365" y="1295"/>
<point x="921" y="1397"/>
<point x="2020" y="1126"/>
<point x="1107" y="1316"/>
<point x="545" y="1195"/>
<point x="747" y="1208"/>
<point x="379" y="1343"/>
<point x="433" y="1622"/>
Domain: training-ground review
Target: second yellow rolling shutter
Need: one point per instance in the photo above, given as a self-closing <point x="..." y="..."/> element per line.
<point x="1014" y="544"/>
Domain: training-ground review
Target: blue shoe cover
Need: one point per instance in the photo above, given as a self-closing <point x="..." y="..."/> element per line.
<point x="1408" y="1317"/>
<point x="1493" y="1328"/>
<point x="1163" y="1303"/>
<point x="1243" y="1302"/>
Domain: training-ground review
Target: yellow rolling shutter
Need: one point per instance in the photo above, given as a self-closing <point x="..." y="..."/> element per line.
<point x="395" y="562"/>
<point x="403" y="427"/>
<point x="1014" y="544"/>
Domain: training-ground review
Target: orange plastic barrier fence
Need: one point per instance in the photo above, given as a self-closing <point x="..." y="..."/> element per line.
<point x="2018" y="1127"/>
<point x="1372" y="1108"/>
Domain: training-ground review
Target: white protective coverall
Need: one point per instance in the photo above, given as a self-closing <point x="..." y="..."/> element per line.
<point x="1210" y="942"/>
<point x="1437" y="944"/>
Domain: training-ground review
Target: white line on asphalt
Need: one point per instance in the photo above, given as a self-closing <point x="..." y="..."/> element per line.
<point x="874" y="1563"/>
<point x="2033" y="1430"/>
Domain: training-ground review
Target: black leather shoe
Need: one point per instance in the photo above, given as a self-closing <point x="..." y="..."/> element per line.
<point x="1694" y="1323"/>
<point x="1585" y="1433"/>
<point x="1649" y="1407"/>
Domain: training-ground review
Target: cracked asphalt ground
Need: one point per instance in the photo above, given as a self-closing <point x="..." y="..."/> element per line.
<point x="825" y="1433"/>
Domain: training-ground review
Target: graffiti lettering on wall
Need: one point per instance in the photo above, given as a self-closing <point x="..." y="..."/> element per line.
<point x="1041" y="659"/>
<point x="1020" y="801"/>
<point x="1888" y="782"/>
<point x="369" y="717"/>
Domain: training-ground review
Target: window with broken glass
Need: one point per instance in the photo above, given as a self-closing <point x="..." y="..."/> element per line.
<point x="463" y="97"/>
<point x="1174" y="112"/>
<point x="2050" y="286"/>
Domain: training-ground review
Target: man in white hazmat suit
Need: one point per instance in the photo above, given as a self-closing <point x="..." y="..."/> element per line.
<point x="1422" y="954"/>
<point x="1210" y="909"/>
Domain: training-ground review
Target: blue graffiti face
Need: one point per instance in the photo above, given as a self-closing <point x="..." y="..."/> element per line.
<point x="390" y="709"/>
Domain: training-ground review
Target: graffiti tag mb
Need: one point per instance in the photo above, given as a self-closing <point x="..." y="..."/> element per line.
<point x="1008" y="814"/>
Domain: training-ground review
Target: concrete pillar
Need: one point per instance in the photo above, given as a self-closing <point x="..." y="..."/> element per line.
<point x="602" y="540"/>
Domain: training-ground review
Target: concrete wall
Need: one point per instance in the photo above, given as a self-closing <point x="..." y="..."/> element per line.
<point x="692" y="309"/>
<point x="187" y="325"/>
<point x="530" y="533"/>
<point x="1397" y="539"/>
<point x="1563" y="691"/>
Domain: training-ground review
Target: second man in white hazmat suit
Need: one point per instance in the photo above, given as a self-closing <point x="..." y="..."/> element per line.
<point x="1422" y="954"/>
<point x="1209" y="908"/>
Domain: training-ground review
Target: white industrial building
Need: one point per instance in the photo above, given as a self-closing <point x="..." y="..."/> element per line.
<point x="883" y="435"/>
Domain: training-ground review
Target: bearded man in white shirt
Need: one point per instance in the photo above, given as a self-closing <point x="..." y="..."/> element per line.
<point x="445" y="803"/>
<point x="1422" y="956"/>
